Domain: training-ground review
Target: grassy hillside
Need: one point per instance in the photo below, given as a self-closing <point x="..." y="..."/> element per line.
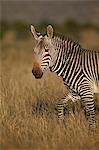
<point x="28" y="113"/>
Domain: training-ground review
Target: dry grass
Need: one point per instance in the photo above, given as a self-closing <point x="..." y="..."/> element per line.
<point x="28" y="113"/>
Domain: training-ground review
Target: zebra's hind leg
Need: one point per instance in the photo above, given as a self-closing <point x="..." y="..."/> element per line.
<point x="87" y="99"/>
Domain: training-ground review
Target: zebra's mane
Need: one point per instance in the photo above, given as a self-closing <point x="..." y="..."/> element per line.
<point x="66" y="42"/>
<point x="64" y="38"/>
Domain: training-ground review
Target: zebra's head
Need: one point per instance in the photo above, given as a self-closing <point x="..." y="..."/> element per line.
<point x="43" y="51"/>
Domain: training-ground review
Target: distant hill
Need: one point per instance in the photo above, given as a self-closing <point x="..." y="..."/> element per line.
<point x="57" y="11"/>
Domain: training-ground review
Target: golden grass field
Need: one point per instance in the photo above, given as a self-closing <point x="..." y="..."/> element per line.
<point x="28" y="116"/>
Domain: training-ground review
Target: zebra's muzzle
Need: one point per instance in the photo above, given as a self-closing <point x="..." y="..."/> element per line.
<point x="37" y="72"/>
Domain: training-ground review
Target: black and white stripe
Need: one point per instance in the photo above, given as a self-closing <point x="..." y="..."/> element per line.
<point x="78" y="68"/>
<point x="45" y="60"/>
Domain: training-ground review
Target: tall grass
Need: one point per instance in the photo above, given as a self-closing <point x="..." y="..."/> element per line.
<point x="28" y="114"/>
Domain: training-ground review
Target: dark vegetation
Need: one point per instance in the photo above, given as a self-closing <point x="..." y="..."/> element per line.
<point x="70" y="27"/>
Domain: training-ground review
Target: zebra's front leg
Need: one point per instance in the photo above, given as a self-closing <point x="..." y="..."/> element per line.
<point x="64" y="102"/>
<point x="61" y="106"/>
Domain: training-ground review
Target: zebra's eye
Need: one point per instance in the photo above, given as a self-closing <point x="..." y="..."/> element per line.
<point x="46" y="48"/>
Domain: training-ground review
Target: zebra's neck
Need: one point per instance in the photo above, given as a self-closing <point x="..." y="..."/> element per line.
<point x="66" y="51"/>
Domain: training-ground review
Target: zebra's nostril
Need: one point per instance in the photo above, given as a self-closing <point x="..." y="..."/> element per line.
<point x="37" y="73"/>
<point x="32" y="71"/>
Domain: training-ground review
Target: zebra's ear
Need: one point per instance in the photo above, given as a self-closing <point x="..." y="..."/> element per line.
<point x="35" y="34"/>
<point x="50" y="31"/>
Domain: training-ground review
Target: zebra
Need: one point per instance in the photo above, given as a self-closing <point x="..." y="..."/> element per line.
<point x="78" y="67"/>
